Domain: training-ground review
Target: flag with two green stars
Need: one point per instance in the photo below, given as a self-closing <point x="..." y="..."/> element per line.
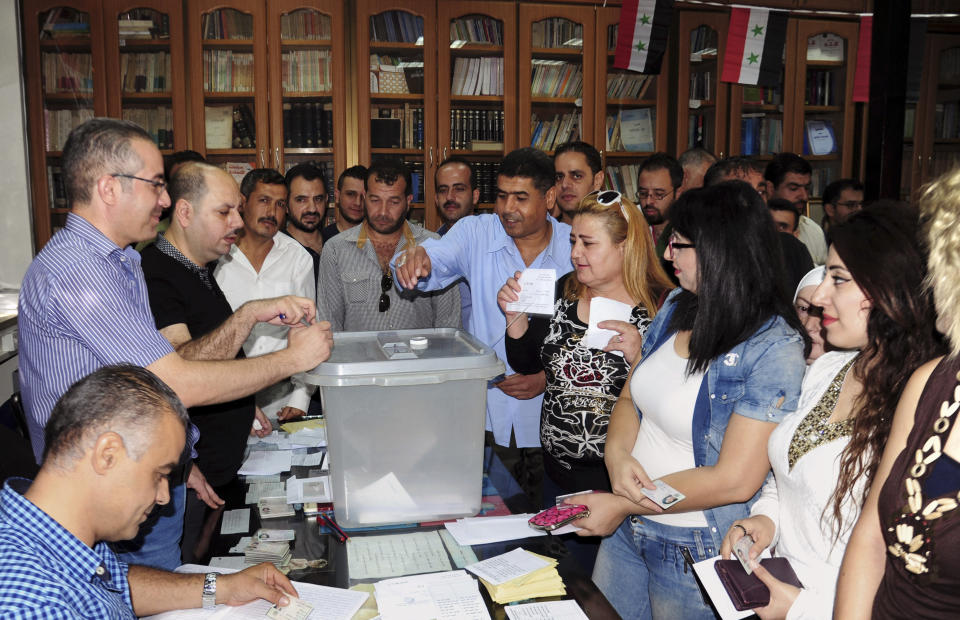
<point x="755" y="43"/>
<point x="642" y="34"/>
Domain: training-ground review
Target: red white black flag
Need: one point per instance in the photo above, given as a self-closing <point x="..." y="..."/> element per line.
<point x="755" y="45"/>
<point x="642" y="34"/>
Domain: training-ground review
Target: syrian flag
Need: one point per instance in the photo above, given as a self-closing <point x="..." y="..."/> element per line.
<point x="755" y="45"/>
<point x="642" y="34"/>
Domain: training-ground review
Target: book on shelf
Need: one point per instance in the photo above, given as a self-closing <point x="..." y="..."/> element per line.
<point x="64" y="22"/>
<point x="305" y="24"/>
<point x="396" y="27"/>
<point x="226" y="71"/>
<point x="395" y="75"/>
<point x="56" y="190"/>
<point x="622" y="178"/>
<point x="701" y="85"/>
<point x="703" y="42"/>
<point x="821" y="87"/>
<point x="229" y="126"/>
<point x="144" y="24"/>
<point x="157" y="121"/>
<point x="627" y="85"/>
<point x="477" y="29"/>
<point x="546" y="135"/>
<point x="819" y="138"/>
<point x="636" y="129"/>
<point x="58" y="124"/>
<point x="477" y="76"/>
<point x="227" y="24"/>
<point x="467" y="126"/>
<point x="820" y="178"/>
<point x="556" y="32"/>
<point x="760" y="134"/>
<point x="306" y="70"/>
<point x="409" y="126"/>
<point x="67" y="73"/>
<point x="556" y="78"/>
<point x="145" y="72"/>
<point x="946" y="120"/>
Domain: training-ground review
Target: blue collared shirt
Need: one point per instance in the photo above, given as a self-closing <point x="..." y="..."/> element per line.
<point x="83" y="305"/>
<point x="47" y="572"/>
<point x="479" y="250"/>
<point x="759" y="378"/>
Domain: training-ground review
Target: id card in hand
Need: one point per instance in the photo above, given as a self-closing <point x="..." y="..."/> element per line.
<point x="664" y="495"/>
<point x="296" y="610"/>
<point x="741" y="549"/>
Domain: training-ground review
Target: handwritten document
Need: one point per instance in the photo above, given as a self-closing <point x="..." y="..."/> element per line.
<point x="396" y="554"/>
<point x="453" y="595"/>
<point x="236" y="521"/>
<point x="537" y="288"/>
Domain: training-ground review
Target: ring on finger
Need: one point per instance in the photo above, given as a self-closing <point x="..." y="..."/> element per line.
<point x="741" y="528"/>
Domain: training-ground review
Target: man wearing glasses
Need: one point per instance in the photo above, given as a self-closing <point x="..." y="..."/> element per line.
<point x="658" y="185"/>
<point x="841" y="199"/>
<point x="84" y="305"/>
<point x="356" y="285"/>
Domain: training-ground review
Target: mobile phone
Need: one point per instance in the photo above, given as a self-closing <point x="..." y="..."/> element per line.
<point x="557" y="516"/>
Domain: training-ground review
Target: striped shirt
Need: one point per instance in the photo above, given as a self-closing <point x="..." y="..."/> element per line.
<point x="47" y="572"/>
<point x="351" y="281"/>
<point x="83" y="305"/>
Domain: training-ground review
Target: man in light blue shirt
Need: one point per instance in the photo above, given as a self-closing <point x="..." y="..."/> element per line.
<point x="486" y="250"/>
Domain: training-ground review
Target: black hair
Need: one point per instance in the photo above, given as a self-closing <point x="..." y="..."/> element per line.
<point x="729" y="168"/>
<point x="267" y="176"/>
<point x="784" y="163"/>
<point x="740" y="281"/>
<point x="357" y="172"/>
<point x="388" y="170"/>
<point x="308" y="171"/>
<point x="96" y="147"/>
<point x="456" y="159"/>
<point x="663" y="161"/>
<point x="123" y="398"/>
<point x="529" y="163"/>
<point x="591" y="154"/>
<point x="831" y="193"/>
<point x="780" y="204"/>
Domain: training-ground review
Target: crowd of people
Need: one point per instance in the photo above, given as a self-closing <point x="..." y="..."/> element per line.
<point x="793" y="382"/>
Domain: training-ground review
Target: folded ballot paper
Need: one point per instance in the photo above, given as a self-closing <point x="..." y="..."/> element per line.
<point x="452" y="595"/>
<point x="483" y="530"/>
<point x="519" y="575"/>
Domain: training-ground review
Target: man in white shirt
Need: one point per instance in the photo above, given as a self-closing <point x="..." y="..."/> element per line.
<point x="788" y="177"/>
<point x="265" y="263"/>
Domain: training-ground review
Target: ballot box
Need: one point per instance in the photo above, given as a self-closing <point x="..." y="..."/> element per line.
<point x="405" y="414"/>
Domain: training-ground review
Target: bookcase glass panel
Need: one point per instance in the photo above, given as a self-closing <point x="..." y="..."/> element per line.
<point x="396" y="27"/>
<point x="946" y="131"/>
<point x="143" y="24"/>
<point x="305" y="25"/>
<point x="230" y="24"/>
<point x="229" y="126"/>
<point x="556" y="32"/>
<point x="64" y="23"/>
<point x="704" y="75"/>
<point x="827" y="61"/>
<point x="556" y="82"/>
<point x="156" y="119"/>
<point x="475" y="30"/>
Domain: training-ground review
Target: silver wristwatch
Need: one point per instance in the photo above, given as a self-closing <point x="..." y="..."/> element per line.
<point x="210" y="590"/>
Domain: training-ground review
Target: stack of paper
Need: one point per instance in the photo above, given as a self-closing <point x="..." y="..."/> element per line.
<point x="483" y="530"/>
<point x="452" y="594"/>
<point x="277" y="553"/>
<point x="271" y="507"/>
<point x="308" y="490"/>
<point x="519" y="575"/>
<point x="261" y="462"/>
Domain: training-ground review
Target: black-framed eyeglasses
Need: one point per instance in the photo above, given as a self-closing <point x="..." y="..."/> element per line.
<point x="851" y="204"/>
<point x="158" y="186"/>
<point x="657" y="195"/>
<point x="386" y="281"/>
<point x="676" y="245"/>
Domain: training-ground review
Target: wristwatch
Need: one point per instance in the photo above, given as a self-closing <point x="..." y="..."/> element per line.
<point x="210" y="590"/>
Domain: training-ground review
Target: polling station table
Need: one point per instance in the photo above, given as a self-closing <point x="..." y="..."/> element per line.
<point x="313" y="542"/>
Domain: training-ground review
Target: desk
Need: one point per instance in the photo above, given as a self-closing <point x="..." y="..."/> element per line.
<point x="312" y="545"/>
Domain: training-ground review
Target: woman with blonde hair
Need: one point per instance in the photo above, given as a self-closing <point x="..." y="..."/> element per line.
<point x="613" y="258"/>
<point x="903" y="559"/>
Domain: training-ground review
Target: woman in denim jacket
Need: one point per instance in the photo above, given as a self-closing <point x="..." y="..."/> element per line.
<point x="733" y="344"/>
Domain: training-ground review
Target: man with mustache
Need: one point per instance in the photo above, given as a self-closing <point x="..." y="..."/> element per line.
<point x="355" y="277"/>
<point x="84" y="305"/>
<point x="264" y="263"/>
<point x="457" y="196"/>
<point x="192" y="313"/>
<point x="307" y="209"/>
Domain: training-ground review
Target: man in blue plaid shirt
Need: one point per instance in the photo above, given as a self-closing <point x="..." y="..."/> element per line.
<point x="112" y="440"/>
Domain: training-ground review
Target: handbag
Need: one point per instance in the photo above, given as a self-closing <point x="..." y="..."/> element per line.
<point x="747" y="591"/>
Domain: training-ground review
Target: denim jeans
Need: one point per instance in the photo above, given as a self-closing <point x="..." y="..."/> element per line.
<point x="641" y="570"/>
<point x="158" y="543"/>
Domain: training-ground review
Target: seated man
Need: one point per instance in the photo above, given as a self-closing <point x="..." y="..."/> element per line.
<point x="111" y="441"/>
<point x="356" y="285"/>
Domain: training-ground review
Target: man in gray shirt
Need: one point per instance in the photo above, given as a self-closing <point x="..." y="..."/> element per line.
<point x="355" y="289"/>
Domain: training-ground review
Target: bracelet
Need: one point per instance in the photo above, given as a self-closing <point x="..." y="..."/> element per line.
<point x="745" y="533"/>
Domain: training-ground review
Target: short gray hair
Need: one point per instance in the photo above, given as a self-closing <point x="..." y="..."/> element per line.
<point x="97" y="147"/>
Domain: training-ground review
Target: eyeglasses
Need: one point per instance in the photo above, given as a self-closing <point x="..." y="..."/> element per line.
<point x="657" y="195"/>
<point x="676" y="245"/>
<point x="386" y="281"/>
<point x="851" y="204"/>
<point x="158" y="186"/>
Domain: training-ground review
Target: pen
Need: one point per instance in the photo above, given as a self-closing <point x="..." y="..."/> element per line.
<point x="303" y="319"/>
<point x="340" y="534"/>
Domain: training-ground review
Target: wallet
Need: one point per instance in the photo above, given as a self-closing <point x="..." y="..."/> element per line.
<point x="747" y="591"/>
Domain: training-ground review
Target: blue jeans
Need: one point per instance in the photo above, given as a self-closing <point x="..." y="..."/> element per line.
<point x="641" y="571"/>
<point x="158" y="543"/>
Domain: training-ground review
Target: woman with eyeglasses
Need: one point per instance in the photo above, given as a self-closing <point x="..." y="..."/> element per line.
<point x="903" y="559"/>
<point x="614" y="260"/>
<point x="721" y="365"/>
<point x="879" y="321"/>
<point x="808" y="312"/>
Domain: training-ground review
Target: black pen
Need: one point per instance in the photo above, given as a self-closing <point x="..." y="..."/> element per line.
<point x="334" y="528"/>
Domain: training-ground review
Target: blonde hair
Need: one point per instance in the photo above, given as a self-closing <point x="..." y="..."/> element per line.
<point x="940" y="209"/>
<point x="643" y="276"/>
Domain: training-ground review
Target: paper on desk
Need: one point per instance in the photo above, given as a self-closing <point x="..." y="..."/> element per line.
<point x="603" y="309"/>
<point x="228" y="561"/>
<point x="718" y="594"/>
<point x="461" y="555"/>
<point x="396" y="554"/>
<point x="241" y="546"/>
<point x="300" y="490"/>
<point x="307" y="460"/>
<point x="236" y="521"/>
<point x="271" y="441"/>
<point x="453" y="595"/>
<point x="537" y="288"/>
<point x="253" y="478"/>
<point x="257" y="490"/>
<point x="507" y="566"/>
<point x="482" y="530"/>
<point x="293" y="427"/>
<point x="389" y="493"/>
<point x="309" y="438"/>
<point x="554" y="610"/>
<point x="262" y="462"/>
<point x="336" y="603"/>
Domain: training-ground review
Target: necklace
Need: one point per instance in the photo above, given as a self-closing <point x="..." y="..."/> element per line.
<point x="914" y="543"/>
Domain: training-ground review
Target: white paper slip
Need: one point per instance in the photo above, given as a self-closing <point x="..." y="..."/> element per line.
<point x="552" y="610"/>
<point x="461" y="556"/>
<point x="236" y="521"/>
<point x="664" y="495"/>
<point x="258" y="490"/>
<point x="264" y="462"/>
<point x="451" y="595"/>
<point x="389" y="493"/>
<point x="537" y="288"/>
<point x="307" y="460"/>
<point x="300" y="490"/>
<point x="228" y="561"/>
<point x="482" y="530"/>
<point x="505" y="567"/>
<point x="309" y="438"/>
<point x="370" y="557"/>
<point x="603" y="309"/>
<point x="242" y="545"/>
